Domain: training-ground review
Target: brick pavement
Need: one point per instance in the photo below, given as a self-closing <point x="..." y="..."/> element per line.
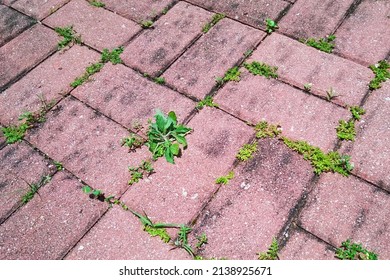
<point x="73" y="137"/>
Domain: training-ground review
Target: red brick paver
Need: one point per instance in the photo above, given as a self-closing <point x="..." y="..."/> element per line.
<point x="37" y="8"/>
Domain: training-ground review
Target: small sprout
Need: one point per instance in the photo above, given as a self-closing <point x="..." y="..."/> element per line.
<point x="146" y="24"/>
<point x="164" y="11"/>
<point x="331" y="94"/>
<point x="248" y="53"/>
<point x="202" y="239"/>
<point x="159" y="80"/>
<point x="354" y="251"/>
<point x="138" y="173"/>
<point x="381" y="74"/>
<point x="113" y="56"/>
<point x="98" y="194"/>
<point x="247" y="151"/>
<point x="69" y="36"/>
<point x="216" y="18"/>
<point x="97" y="4"/>
<point x="272" y="253"/>
<point x="262" y="69"/>
<point x="357" y="112"/>
<point x="133" y="142"/>
<point x="264" y="130"/>
<point x="233" y="74"/>
<point x="324" y="44"/>
<point x="207" y="101"/>
<point x="59" y="165"/>
<point x="34" y="188"/>
<point x="224" y="180"/>
<point x="271" y="25"/>
<point x="307" y="87"/>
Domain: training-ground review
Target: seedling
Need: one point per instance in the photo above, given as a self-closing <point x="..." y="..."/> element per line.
<point x="323" y="44"/>
<point x="146" y="24"/>
<point x="357" y="112"/>
<point x="346" y="130"/>
<point x="233" y="74"/>
<point x="202" y="239"/>
<point x="271" y="25"/>
<point x="381" y="74"/>
<point x="113" y="56"/>
<point x="207" y="101"/>
<point x="216" y="18"/>
<point x="69" y="36"/>
<point x="224" y="180"/>
<point x="97" y="4"/>
<point x="165" y="136"/>
<point x="182" y="240"/>
<point x="133" y="142"/>
<point x="59" y="166"/>
<point x="354" y="251"/>
<point x="34" y="189"/>
<point x="247" y="151"/>
<point x="272" y="253"/>
<point x="94" y="193"/>
<point x="159" y="80"/>
<point x="138" y="173"/>
<point x="262" y="69"/>
<point x="307" y="87"/>
<point x="264" y="130"/>
<point x="331" y="94"/>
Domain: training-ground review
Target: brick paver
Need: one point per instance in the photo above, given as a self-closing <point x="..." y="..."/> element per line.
<point x="37" y="8"/>
<point x="50" y="224"/>
<point x="364" y="36"/>
<point x="98" y="27"/>
<point x="2" y="138"/>
<point x="125" y="96"/>
<point x="300" y="64"/>
<point x="25" y="51"/>
<point x="46" y="83"/>
<point x="167" y="40"/>
<point x="210" y="57"/>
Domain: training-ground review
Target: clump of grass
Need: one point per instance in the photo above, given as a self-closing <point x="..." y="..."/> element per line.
<point x="224" y="180"/>
<point x="97" y="4"/>
<point x="113" y="56"/>
<point x="381" y="74"/>
<point x="14" y="133"/>
<point x="69" y="36"/>
<point x="233" y="74"/>
<point x="216" y="18"/>
<point x="247" y="151"/>
<point x="357" y="112"/>
<point x="146" y="24"/>
<point x="354" y="251"/>
<point x="346" y="130"/>
<point x="262" y="69"/>
<point x="159" y="80"/>
<point x="207" y="101"/>
<point x="272" y="253"/>
<point x="265" y="130"/>
<point x="323" y="44"/>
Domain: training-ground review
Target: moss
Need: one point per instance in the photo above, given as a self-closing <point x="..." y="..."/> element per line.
<point x="247" y="151"/>
<point x="323" y="44"/>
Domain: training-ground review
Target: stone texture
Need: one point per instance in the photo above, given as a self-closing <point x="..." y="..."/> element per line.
<point x="20" y="165"/>
<point x="314" y="18"/>
<point x="37" y="8"/>
<point x="12" y="24"/>
<point x="98" y="27"/>
<point x="247" y="213"/>
<point x="300" y="64"/>
<point x="48" y="81"/>
<point x="301" y="116"/>
<point x="364" y="36"/>
<point x="50" y="224"/>
<point x="303" y="246"/>
<point x="170" y="36"/>
<point x="119" y="236"/>
<point x="211" y="56"/>
<point x="88" y="144"/>
<point x="371" y="150"/>
<point x="176" y="192"/>
<point x="342" y="208"/>
<point x="25" y="51"/>
<point x="125" y="96"/>
<point x="2" y="138"/>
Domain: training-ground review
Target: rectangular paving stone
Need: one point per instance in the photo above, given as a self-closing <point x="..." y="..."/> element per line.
<point x="342" y="208"/>
<point x="25" y="51"/>
<point x="314" y="18"/>
<point x="253" y="12"/>
<point x="365" y="35"/>
<point x="88" y="144"/>
<point x="49" y="225"/>
<point x="170" y="36"/>
<point x="12" y="23"/>
<point x="176" y="192"/>
<point x="20" y="165"/>
<point x="246" y="214"/>
<point x="371" y="150"/>
<point x="119" y="235"/>
<point x="303" y="246"/>
<point x="301" y="116"/>
<point x="98" y="27"/>
<point x="299" y="64"/>
<point x="125" y="96"/>
<point x="138" y="10"/>
<point x="37" y="8"/>
<point x="47" y="82"/>
<point x="2" y="138"/>
<point x="211" y="56"/>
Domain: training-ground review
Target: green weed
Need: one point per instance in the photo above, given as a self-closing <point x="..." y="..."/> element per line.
<point x="233" y="74"/>
<point x="14" y="133"/>
<point x="381" y="74"/>
<point x="133" y="142"/>
<point x="113" y="56"/>
<point x="224" y="180"/>
<point x="69" y="36"/>
<point x="262" y="69"/>
<point x="307" y="87"/>
<point x="357" y="112"/>
<point x="346" y="130"/>
<point x="202" y="239"/>
<point x="331" y="94"/>
<point x="146" y="24"/>
<point x="354" y="251"/>
<point x="34" y="189"/>
<point x="89" y="71"/>
<point x="216" y="18"/>
<point x="271" y="25"/>
<point x="323" y="44"/>
<point x="97" y="4"/>
<point x="248" y="53"/>
<point x="247" y="151"/>
<point x="264" y="130"/>
<point x="59" y="166"/>
<point x="138" y="173"/>
<point x="161" y="232"/>
<point x="207" y="101"/>
<point x="159" y="80"/>
<point x="272" y="253"/>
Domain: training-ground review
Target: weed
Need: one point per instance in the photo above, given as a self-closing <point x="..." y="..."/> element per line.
<point x="159" y="80"/>
<point x="357" y="112"/>
<point x="97" y="4"/>
<point x="248" y="53"/>
<point x="165" y="136"/>
<point x="264" y="130"/>
<point x="14" y="133"/>
<point x="182" y="240"/>
<point x="94" y="193"/>
<point x="224" y="180"/>
<point x="271" y="25"/>
<point x="133" y="142"/>
<point x="247" y="151"/>
<point x="202" y="239"/>
<point x="146" y="24"/>
<point x="34" y="189"/>
<point x="59" y="166"/>
<point x="381" y="74"/>
<point x="354" y="251"/>
<point x="323" y="44"/>
<point x="207" y="101"/>
<point x="233" y="74"/>
<point x="69" y="36"/>
<point x="164" y="11"/>
<point x="331" y="94"/>
<point x="272" y="253"/>
<point x="89" y="71"/>
<point x="261" y="69"/>
<point x="137" y="173"/>
<point x="346" y="130"/>
<point x="307" y="87"/>
<point x="161" y="232"/>
<point x="113" y="56"/>
<point x="216" y="18"/>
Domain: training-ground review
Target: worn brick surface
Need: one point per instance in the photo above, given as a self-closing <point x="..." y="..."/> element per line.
<point x="88" y="144"/>
<point x="210" y="57"/>
<point x="303" y="246"/>
<point x="256" y="204"/>
<point x="175" y="193"/>
<point x="371" y="150"/>
<point x="50" y="224"/>
<point x="300" y="64"/>
<point x="20" y="165"/>
<point x="37" y="8"/>
<point x="98" y="27"/>
<point x="314" y="18"/>
<point x="12" y="24"/>
<point x="301" y="116"/>
<point x="48" y="81"/>
<point x="125" y="96"/>
<point x="365" y="35"/>
<point x="119" y="236"/>
<point x="167" y="40"/>
<point x="138" y="10"/>
<point x="343" y="208"/>
<point x="2" y="138"/>
<point x="25" y="51"/>
<point x="253" y="12"/>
